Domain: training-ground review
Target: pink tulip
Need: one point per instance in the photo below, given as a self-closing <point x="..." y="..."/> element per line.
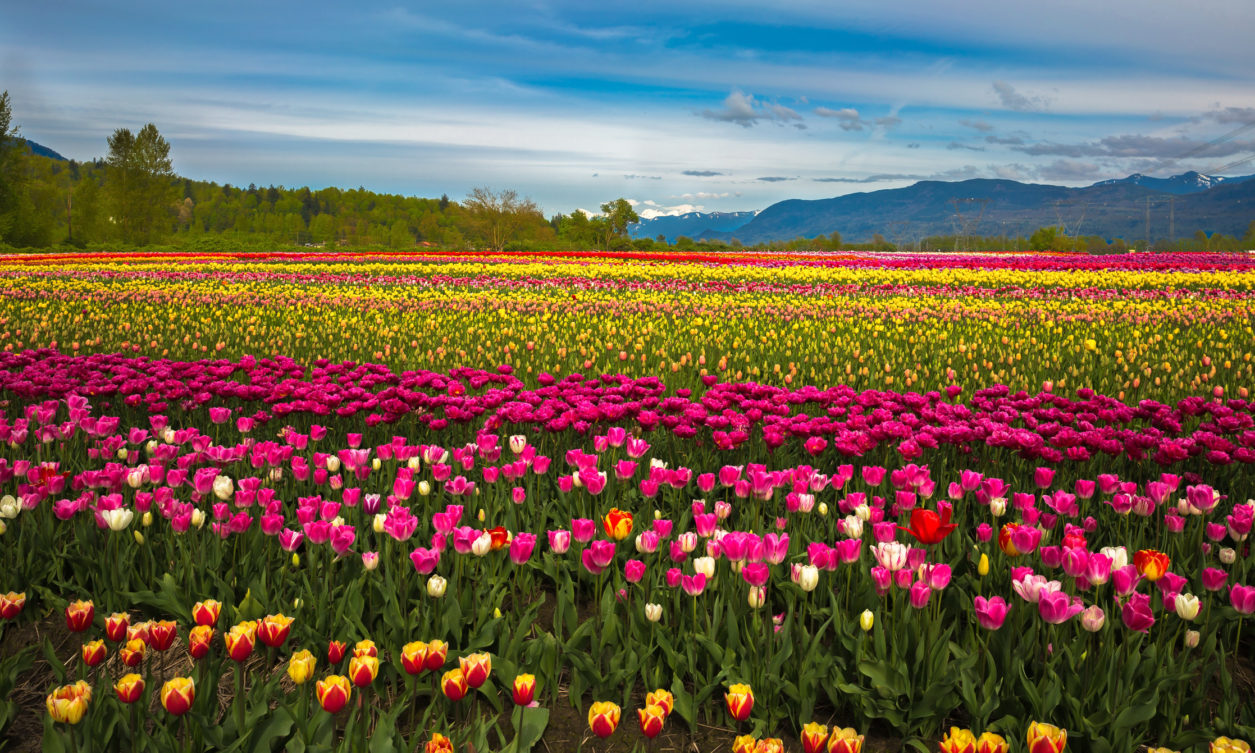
<point x="991" y="613"/>
<point x="521" y="547"/>
<point x="694" y="584"/>
<point x="1057" y="607"/>
<point x="559" y="541"/>
<point x="756" y="573"/>
<point x="1242" y="598"/>
<point x="633" y="571"/>
<point x="583" y="530"/>
<point x="1214" y="578"/>
<point x="1137" y="614"/>
<point x="919" y="594"/>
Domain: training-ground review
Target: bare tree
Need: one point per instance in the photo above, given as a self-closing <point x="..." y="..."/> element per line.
<point x="498" y="217"/>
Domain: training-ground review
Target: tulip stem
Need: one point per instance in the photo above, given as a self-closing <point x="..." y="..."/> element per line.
<point x="239" y="699"/>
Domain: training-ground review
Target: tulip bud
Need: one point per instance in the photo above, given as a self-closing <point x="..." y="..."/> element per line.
<point x="301" y="666"/>
<point x="998" y="507"/>
<point x="414" y="463"/>
<point x="378" y="524"/>
<point x="823" y="509"/>
<point x="808" y="578"/>
<point x="424" y="488"/>
<point x="1228" y="555"/>
<point x="1187" y="606"/>
<point x="705" y="565"/>
<point x="3" y="527"/>
<point x="866" y="620"/>
<point x="198" y="518"/>
<point x="147" y="519"/>
<point x="1191" y="638"/>
<point x="983" y="566"/>
<point x="375" y="464"/>
<point x="1093" y="618"/>
<point x="121" y="453"/>
<point x="436" y="586"/>
<point x="139" y="537"/>
<point x="653" y="612"/>
<point x="757" y="596"/>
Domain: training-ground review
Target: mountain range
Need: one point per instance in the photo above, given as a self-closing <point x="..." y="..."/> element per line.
<point x="1120" y="208"/>
<point x="690" y="224"/>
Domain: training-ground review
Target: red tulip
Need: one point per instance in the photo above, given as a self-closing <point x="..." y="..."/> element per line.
<point x="161" y="634"/>
<point x="335" y="651"/>
<point x="929" y="527"/>
<point x="79" y="615"/>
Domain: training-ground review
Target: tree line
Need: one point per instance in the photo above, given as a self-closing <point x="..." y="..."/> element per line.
<point x="133" y="197"/>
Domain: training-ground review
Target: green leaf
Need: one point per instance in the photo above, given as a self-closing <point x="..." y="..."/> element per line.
<point x="50" y="655"/>
<point x="278" y="725"/>
<point x="531" y="728"/>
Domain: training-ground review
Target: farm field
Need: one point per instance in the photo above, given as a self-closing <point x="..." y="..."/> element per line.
<point x="745" y="501"/>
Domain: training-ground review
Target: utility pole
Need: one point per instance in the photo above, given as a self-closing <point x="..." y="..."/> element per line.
<point x="1172" y="221"/>
<point x="1148" y="224"/>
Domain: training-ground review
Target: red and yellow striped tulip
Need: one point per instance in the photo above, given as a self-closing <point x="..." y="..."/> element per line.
<point x="333" y="691"/>
<point x="129" y="688"/>
<point x="740" y="700"/>
<point x="603" y="718"/>
<point x="94" y="652"/>
<point x="79" y="615"/>
<point x="652" y="718"/>
<point x="1046" y="738"/>
<point x="178" y="694"/>
<point x="68" y="703"/>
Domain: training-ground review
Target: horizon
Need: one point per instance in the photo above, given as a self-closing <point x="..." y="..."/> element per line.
<point x="679" y="108"/>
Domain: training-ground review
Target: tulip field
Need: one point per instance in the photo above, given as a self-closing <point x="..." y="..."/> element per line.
<point x="749" y="502"/>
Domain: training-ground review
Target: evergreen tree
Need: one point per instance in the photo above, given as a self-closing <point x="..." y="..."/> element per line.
<point x="141" y="184"/>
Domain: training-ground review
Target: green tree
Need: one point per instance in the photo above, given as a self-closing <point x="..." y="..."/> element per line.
<point x="618" y="215"/>
<point x="140" y="181"/>
<point x="11" y="172"/>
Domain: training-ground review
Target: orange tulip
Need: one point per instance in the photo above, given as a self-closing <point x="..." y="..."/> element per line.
<point x="414" y="657"/>
<point x="1151" y="563"/>
<point x="845" y="740"/>
<point x="333" y="692"/>
<point x="453" y="684"/>
<point x="177" y="695"/>
<point x="68" y="703"/>
<point x="1046" y="738"/>
<point x="740" y="699"/>
<point x="273" y="629"/>
<point x="240" y="640"/>
<point x="363" y="670"/>
<point x="618" y="524"/>
<point x="129" y="688"/>
<point x="476" y="667"/>
<point x="198" y="641"/>
<point x="206" y="612"/>
<point x="603" y="718"/>
<point x="94" y="652"/>
<point x="79" y="616"/>
<point x="652" y="718"/>
<point x="1004" y="540"/>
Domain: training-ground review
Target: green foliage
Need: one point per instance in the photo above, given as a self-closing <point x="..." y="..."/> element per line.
<point x="140" y="183"/>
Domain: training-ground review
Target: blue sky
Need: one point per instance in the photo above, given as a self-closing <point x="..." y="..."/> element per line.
<point x="676" y="106"/>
